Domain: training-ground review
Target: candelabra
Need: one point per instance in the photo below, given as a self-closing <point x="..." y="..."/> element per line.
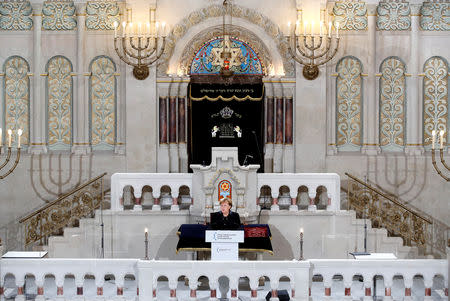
<point x="310" y="49"/>
<point x="146" y="244"/>
<point x="140" y="47"/>
<point x="441" y="152"/>
<point x="8" y="156"/>
<point x="301" y="244"/>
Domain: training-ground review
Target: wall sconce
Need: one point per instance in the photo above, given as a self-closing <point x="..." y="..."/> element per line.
<point x="141" y="45"/>
<point x="311" y="49"/>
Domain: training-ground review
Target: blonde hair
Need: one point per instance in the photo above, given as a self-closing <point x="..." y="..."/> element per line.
<point x="226" y="199"/>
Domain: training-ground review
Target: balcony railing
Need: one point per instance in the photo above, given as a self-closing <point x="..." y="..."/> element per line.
<point x="131" y="279"/>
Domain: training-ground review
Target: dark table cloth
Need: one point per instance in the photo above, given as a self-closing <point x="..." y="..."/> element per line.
<point x="257" y="238"/>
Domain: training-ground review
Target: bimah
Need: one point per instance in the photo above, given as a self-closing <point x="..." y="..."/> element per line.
<point x="224" y="244"/>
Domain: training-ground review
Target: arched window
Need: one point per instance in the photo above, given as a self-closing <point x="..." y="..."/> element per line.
<point x="392" y="104"/>
<point x="16" y="99"/>
<point x="244" y="60"/>
<point x="102" y="96"/>
<point x="59" y="103"/>
<point x="349" y="104"/>
<point x="435" y="98"/>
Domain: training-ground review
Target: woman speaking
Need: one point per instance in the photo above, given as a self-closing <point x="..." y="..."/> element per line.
<point x="225" y="219"/>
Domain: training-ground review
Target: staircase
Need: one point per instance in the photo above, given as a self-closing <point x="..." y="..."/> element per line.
<point x="396" y="218"/>
<point x="67" y="211"/>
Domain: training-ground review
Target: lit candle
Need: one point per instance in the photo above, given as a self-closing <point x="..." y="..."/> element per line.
<point x="304" y="27"/>
<point x="321" y="28"/>
<point x="289" y="28"/>
<point x="19" y="133"/>
<point x="441" y="134"/>
<point x="9" y="138"/>
<point x="297" y="29"/>
<point x="163" y="29"/>
<point x="146" y="233"/>
<point x="312" y="28"/>
<point x="301" y="233"/>
<point x="329" y="29"/>
<point x="139" y="29"/>
<point x="156" y="28"/>
<point x="130" y="29"/>
<point x="337" y="29"/>
<point x="148" y="29"/>
<point x="115" y="28"/>
<point x="0" y="137"/>
<point x="433" y="138"/>
<point x="124" y="27"/>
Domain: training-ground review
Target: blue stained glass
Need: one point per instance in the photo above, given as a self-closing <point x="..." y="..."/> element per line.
<point x="244" y="60"/>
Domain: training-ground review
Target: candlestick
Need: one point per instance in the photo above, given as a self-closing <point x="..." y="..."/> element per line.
<point x="304" y="27"/>
<point x="289" y="28"/>
<point x="301" y="244"/>
<point x="139" y="29"/>
<point x="1" y="137"/>
<point x="329" y="29"/>
<point x="146" y="244"/>
<point x="441" y="134"/>
<point x="9" y="138"/>
<point x="124" y="27"/>
<point x="433" y="138"/>
<point x="163" y="29"/>
<point x="148" y="32"/>
<point x="156" y="29"/>
<point x="312" y="27"/>
<point x="116" y="24"/>
<point x="297" y="28"/>
<point x="321" y="28"/>
<point x="19" y="133"/>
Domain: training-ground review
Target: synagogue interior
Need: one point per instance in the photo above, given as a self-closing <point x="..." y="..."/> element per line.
<point x="224" y="150"/>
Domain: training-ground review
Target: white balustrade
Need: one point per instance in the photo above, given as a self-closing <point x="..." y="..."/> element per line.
<point x="297" y="274"/>
<point x="138" y="180"/>
<point x="331" y="181"/>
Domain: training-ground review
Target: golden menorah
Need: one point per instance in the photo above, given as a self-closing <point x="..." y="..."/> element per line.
<point x="8" y="156"/>
<point x="441" y="152"/>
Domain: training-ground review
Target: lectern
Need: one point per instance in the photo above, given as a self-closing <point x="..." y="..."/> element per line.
<point x="224" y="244"/>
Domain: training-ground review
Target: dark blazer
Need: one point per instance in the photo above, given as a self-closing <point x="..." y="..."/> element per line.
<point x="220" y="222"/>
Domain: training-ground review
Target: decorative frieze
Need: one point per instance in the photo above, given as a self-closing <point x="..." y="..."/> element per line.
<point x="101" y="15"/>
<point x="349" y="104"/>
<point x="17" y="98"/>
<point x="435" y="97"/>
<point x="351" y="15"/>
<point x="435" y="16"/>
<point x="393" y="15"/>
<point x="16" y="15"/>
<point x="58" y="15"/>
<point x="392" y="104"/>
<point x="103" y="94"/>
<point x="59" y="103"/>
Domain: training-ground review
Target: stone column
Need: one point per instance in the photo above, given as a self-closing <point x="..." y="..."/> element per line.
<point x="274" y="286"/>
<point x="213" y="283"/>
<point x="288" y="157"/>
<point x="173" y="283"/>
<point x="428" y="281"/>
<point x="182" y="146"/>
<point x="254" y="289"/>
<point x="119" y="291"/>
<point x="268" y="155"/>
<point x="278" y="147"/>
<point x="37" y="140"/>
<point x="40" y="289"/>
<point x="193" y="290"/>
<point x="173" y="145"/>
<point x="370" y="108"/>
<point x="367" y="289"/>
<point x="327" y="288"/>
<point x="80" y="107"/>
<point x="163" y="152"/>
<point x="387" y="289"/>
<point x="20" y="290"/>
<point x="414" y="87"/>
<point x="59" y="287"/>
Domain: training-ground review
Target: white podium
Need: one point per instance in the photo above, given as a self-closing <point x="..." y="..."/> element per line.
<point x="224" y="244"/>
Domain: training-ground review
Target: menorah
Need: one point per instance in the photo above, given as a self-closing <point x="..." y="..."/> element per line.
<point x="441" y="152"/>
<point x="140" y="47"/>
<point x="311" y="49"/>
<point x="8" y="157"/>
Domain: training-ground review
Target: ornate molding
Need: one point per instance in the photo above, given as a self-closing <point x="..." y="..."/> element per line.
<point x="58" y="15"/>
<point x="101" y="15"/>
<point x="16" y="15"/>
<point x="214" y="11"/>
<point x="435" y="16"/>
<point x="393" y="15"/>
<point x="209" y="34"/>
<point x="351" y="15"/>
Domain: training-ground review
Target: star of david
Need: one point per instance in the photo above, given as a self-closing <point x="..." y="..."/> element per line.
<point x="236" y="55"/>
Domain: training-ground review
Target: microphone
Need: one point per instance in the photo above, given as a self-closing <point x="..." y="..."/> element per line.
<point x="245" y="160"/>
<point x="257" y="147"/>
